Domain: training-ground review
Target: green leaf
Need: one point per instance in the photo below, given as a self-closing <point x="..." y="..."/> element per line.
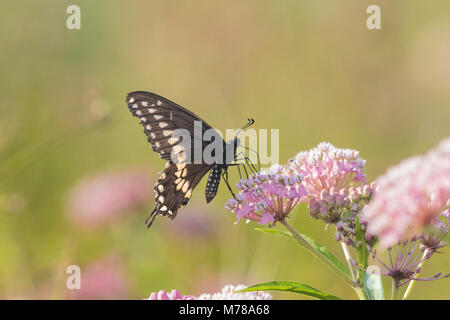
<point x="323" y="251"/>
<point x="373" y="286"/>
<point x="291" y="287"/>
<point x="363" y="253"/>
<point x="284" y="233"/>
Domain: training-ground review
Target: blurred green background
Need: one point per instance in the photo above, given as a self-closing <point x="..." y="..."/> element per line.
<point x="310" y="68"/>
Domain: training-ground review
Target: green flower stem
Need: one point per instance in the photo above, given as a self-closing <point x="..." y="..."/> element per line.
<point x="348" y="257"/>
<point x="412" y="282"/>
<point x="359" y="291"/>
<point x="393" y="290"/>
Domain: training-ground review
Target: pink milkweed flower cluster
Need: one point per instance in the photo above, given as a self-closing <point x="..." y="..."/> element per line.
<point x="227" y="293"/>
<point x="410" y="195"/>
<point x="105" y="197"/>
<point x="267" y="197"/>
<point x="357" y="198"/>
<point x="331" y="177"/>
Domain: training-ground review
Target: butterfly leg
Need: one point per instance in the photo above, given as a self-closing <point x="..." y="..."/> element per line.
<point x="246" y="161"/>
<point x="250" y="165"/>
<point x="257" y="155"/>
<point x="245" y="170"/>
<point x="240" y="174"/>
<point x="225" y="178"/>
<point x="238" y="165"/>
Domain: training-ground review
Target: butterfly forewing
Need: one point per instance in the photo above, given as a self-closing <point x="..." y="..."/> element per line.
<point x="160" y="119"/>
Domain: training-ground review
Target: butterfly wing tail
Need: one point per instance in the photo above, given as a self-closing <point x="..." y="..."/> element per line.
<point x="151" y="217"/>
<point x="171" y="213"/>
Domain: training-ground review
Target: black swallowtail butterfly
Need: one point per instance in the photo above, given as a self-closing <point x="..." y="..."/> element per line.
<point x="160" y="117"/>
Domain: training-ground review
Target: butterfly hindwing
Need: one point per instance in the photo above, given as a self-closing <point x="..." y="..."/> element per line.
<point x="174" y="188"/>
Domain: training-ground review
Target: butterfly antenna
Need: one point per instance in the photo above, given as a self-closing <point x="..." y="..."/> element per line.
<point x="248" y="124"/>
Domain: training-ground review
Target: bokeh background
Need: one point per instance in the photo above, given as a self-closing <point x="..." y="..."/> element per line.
<point x="76" y="171"/>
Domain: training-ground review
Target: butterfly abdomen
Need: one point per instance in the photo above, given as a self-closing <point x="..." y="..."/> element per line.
<point x="213" y="182"/>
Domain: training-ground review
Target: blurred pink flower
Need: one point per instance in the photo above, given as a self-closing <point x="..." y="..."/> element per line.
<point x="410" y="195"/>
<point x="102" y="279"/>
<point x="431" y="240"/>
<point x="196" y="222"/>
<point x="228" y="293"/>
<point x="100" y="199"/>
<point x="332" y="178"/>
